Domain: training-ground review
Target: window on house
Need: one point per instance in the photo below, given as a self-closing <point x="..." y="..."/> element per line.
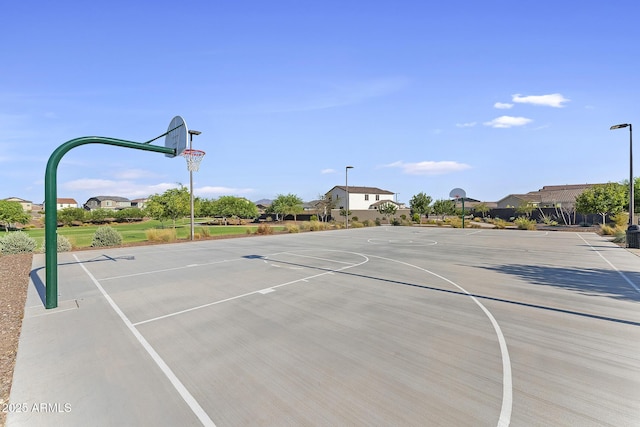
<point x="377" y="197"/>
<point x="366" y="197"/>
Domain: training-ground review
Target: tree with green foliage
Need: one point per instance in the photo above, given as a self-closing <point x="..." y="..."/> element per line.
<point x="173" y="204"/>
<point x="12" y="213"/>
<point x="602" y="199"/>
<point x="420" y="204"/>
<point x="100" y="215"/>
<point x="482" y="208"/>
<point x="525" y="209"/>
<point x="129" y="215"/>
<point x="68" y="216"/>
<point x="288" y="204"/>
<point x="388" y="210"/>
<point x="444" y="207"/>
<point x="233" y="207"/>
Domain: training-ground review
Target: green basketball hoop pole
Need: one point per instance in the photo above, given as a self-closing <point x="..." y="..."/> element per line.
<point x="50" y="204"/>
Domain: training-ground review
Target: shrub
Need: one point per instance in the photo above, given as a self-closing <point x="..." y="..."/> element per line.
<point x="17" y="242"/>
<point x="354" y="218"/>
<point x="164" y="235"/>
<point x="500" y="223"/>
<point x="292" y="228"/>
<point x="106" y="236"/>
<point x="454" y="222"/>
<point x="314" y="217"/>
<point x="356" y="224"/>
<point x="204" y="231"/>
<point x="64" y="244"/>
<point x="607" y="230"/>
<point x="264" y="229"/>
<point x="318" y="226"/>
<point x="620" y="219"/>
<point x="524" y="223"/>
<point x="620" y="236"/>
<point x="378" y="222"/>
<point x="368" y="223"/>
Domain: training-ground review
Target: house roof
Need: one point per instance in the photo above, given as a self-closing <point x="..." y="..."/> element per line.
<point x="66" y="201"/>
<point x="552" y="194"/>
<point x="383" y="202"/>
<point x="17" y="199"/>
<point x="362" y="190"/>
<point x="114" y="198"/>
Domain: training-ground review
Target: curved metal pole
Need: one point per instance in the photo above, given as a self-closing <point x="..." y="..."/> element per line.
<point x="50" y="208"/>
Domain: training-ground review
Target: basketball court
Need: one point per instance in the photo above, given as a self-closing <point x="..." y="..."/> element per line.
<point x="372" y="326"/>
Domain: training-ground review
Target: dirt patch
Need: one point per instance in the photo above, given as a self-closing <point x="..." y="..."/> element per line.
<point x="14" y="280"/>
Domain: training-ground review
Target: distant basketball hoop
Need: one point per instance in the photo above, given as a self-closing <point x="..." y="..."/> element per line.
<point x="194" y="157"/>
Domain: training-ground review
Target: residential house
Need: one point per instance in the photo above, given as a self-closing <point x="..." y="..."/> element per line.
<point x="549" y="196"/>
<point x="360" y="198"/>
<point x="26" y="204"/>
<point x="62" y="203"/>
<point x="139" y="203"/>
<point x="107" y="202"/>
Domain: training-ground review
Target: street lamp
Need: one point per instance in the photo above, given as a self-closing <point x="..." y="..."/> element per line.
<point x="622" y="126"/>
<point x="346" y="186"/>
<point x="191" y="133"/>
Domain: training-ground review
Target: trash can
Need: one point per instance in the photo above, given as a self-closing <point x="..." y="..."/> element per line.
<point x="633" y="236"/>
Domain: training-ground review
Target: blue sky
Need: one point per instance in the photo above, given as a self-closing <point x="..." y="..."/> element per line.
<point x="495" y="97"/>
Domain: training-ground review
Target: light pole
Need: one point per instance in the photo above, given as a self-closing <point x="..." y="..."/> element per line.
<point x="191" y="133"/>
<point x="621" y="126"/>
<point x="346" y="186"/>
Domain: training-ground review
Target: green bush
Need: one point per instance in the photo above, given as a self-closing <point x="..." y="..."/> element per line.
<point x="524" y="223"/>
<point x="620" y="219"/>
<point x="354" y="218"/>
<point x="64" y="244"/>
<point x="106" y="236"/>
<point x="416" y="217"/>
<point x="314" y="217"/>
<point x="17" y="242"/>
<point x="368" y="223"/>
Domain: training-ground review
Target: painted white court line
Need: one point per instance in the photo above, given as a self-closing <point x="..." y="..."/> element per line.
<point x="507" y="382"/>
<point x="164" y="270"/>
<point x="259" y="291"/>
<point x="624" y="276"/>
<point x="311" y="257"/>
<point x="177" y="384"/>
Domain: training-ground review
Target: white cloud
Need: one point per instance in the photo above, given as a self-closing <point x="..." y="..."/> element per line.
<point x="502" y="105"/>
<point x="429" y="167"/>
<point x="555" y="100"/>
<point x="327" y="171"/>
<point x="507" y="122"/>
<point x="466" y="125"/>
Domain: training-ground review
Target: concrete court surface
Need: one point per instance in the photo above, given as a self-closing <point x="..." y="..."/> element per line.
<point x="378" y="326"/>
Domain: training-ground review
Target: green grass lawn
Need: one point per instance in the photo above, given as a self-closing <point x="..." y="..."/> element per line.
<point x="82" y="236"/>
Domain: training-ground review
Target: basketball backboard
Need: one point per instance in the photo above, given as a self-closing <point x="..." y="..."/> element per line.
<point x="177" y="136"/>
<point x="458" y="193"/>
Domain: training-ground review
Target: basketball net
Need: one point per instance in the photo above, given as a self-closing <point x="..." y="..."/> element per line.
<point x="194" y="157"/>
